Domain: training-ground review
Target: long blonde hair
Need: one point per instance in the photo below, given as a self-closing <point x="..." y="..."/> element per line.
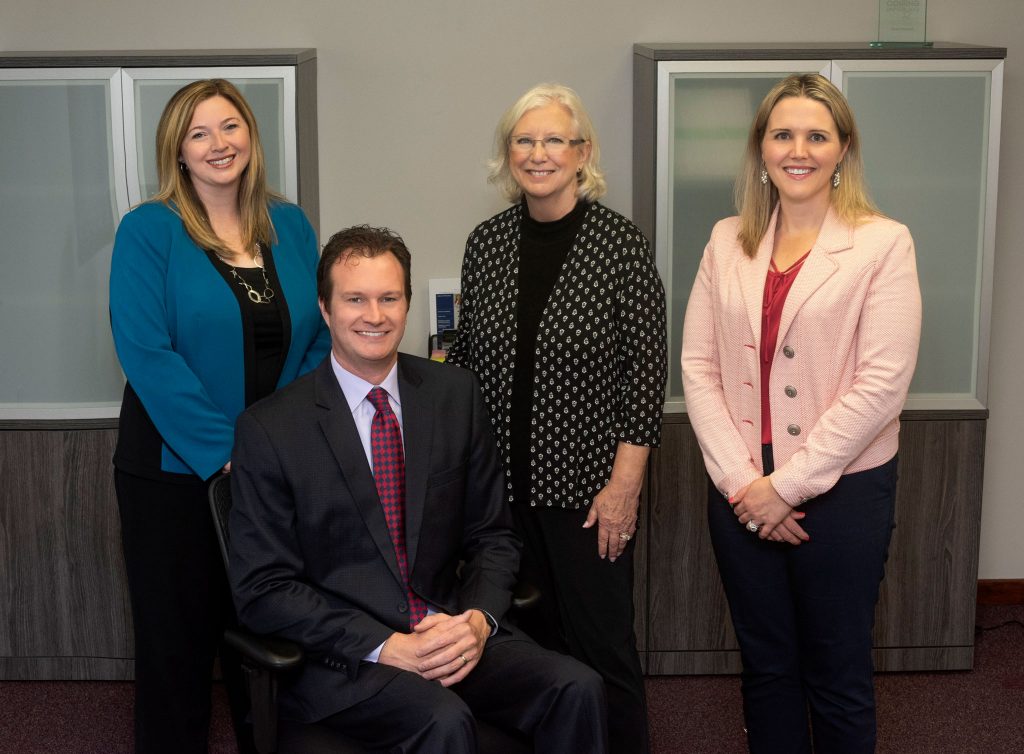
<point x="590" y="185"/>
<point x="756" y="201"/>
<point x="176" y="189"/>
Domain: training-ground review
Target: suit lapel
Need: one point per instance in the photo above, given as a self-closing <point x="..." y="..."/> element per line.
<point x="817" y="268"/>
<point x="752" y="273"/>
<point x="417" y="429"/>
<point x="340" y="430"/>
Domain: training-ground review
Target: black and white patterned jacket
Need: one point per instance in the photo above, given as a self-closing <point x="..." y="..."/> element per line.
<point x="601" y="353"/>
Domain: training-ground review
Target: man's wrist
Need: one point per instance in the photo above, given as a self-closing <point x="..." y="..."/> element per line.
<point x="489" y="621"/>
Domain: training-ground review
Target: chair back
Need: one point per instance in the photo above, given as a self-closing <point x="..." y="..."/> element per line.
<point x="220" y="506"/>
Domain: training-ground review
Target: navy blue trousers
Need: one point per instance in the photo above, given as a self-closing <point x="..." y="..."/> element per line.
<point x="804" y="615"/>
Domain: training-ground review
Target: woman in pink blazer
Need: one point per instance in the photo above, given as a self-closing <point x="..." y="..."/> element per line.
<point x="799" y="344"/>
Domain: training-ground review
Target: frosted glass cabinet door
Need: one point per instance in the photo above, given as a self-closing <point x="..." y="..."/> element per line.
<point x="267" y="90"/>
<point x="58" y="211"/>
<point x="930" y="143"/>
<point x="705" y="110"/>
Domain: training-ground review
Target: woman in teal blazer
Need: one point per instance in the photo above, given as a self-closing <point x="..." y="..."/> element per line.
<point x="212" y="307"/>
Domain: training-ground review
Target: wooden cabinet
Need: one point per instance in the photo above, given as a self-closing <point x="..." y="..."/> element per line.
<point x="95" y="117"/>
<point x="65" y="603"/>
<point x="931" y="164"/>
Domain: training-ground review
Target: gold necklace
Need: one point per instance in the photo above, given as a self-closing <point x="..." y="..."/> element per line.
<point x="255" y="296"/>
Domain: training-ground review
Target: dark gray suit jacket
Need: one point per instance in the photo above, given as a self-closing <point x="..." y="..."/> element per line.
<point x="311" y="556"/>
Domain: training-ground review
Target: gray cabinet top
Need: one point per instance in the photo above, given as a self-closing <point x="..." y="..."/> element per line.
<point x="154" y="58"/>
<point x="803" y="51"/>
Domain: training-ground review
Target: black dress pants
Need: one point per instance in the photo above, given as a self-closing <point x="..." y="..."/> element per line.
<point x="547" y="698"/>
<point x="586" y="611"/>
<point x="180" y="607"/>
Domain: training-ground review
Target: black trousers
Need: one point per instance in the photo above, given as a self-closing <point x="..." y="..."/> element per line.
<point x="180" y="607"/>
<point x="804" y="615"/>
<point x="586" y="611"/>
<point x="552" y="700"/>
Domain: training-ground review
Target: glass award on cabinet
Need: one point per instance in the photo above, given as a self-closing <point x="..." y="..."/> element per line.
<point x="902" y="23"/>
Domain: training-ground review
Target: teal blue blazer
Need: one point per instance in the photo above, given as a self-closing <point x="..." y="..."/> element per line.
<point x="177" y="328"/>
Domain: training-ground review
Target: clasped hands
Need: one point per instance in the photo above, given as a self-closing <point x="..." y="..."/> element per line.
<point x="441" y="648"/>
<point x="760" y="503"/>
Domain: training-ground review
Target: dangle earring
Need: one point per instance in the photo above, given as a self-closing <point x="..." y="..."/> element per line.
<point x="835" y="178"/>
<point x="764" y="176"/>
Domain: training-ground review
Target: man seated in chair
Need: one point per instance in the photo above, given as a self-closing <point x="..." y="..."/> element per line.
<point x="358" y="491"/>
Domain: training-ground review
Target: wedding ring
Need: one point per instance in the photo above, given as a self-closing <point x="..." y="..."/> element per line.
<point x="753" y="526"/>
<point x="465" y="660"/>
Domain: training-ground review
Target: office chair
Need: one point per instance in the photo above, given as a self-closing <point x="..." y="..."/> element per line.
<point x="265" y="658"/>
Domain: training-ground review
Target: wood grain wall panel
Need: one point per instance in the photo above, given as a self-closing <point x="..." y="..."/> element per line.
<point x="686" y="604"/>
<point x="641" y="568"/>
<point x="928" y="595"/>
<point x="903" y="659"/>
<point x="701" y="662"/>
<point x="62" y="569"/>
<point x="34" y="585"/>
<point x="94" y="556"/>
<point x="66" y="668"/>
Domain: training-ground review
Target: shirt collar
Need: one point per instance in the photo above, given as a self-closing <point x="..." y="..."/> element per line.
<point x="356" y="388"/>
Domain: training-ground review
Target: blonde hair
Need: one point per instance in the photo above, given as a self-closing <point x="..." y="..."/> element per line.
<point x="756" y="201"/>
<point x="176" y="189"/>
<point x="591" y="185"/>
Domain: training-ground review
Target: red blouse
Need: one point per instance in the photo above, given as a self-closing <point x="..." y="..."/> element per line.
<point x="776" y="288"/>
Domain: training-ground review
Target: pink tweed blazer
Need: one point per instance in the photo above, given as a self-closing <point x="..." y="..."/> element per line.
<point x="846" y="351"/>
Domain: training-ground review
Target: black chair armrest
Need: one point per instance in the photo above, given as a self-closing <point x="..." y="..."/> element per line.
<point x="270" y="652"/>
<point x="524" y="595"/>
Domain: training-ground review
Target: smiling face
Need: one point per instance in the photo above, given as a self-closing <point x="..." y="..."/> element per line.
<point x="367" y="314"/>
<point x="801" y="149"/>
<point x="548" y="180"/>
<point x="216" y="148"/>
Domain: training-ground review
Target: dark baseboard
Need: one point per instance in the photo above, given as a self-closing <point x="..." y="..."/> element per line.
<point x="1001" y="592"/>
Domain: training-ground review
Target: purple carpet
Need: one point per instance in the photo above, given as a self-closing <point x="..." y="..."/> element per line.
<point x="971" y="712"/>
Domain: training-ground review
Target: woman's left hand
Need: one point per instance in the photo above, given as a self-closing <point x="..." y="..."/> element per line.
<point x="614" y="507"/>
<point x="614" y="510"/>
<point x="760" y="503"/>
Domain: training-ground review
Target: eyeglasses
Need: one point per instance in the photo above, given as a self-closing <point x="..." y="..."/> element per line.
<point x="553" y="145"/>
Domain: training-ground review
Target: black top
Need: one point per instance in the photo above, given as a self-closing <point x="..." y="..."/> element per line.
<point x="542" y="252"/>
<point x="266" y="333"/>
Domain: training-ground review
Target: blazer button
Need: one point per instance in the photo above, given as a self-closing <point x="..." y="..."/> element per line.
<point x="793" y="429"/>
<point x="791" y="391"/>
<point x="788" y="352"/>
<point x="403" y="607"/>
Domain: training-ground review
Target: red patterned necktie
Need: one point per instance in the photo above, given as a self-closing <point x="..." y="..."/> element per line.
<point x="389" y="475"/>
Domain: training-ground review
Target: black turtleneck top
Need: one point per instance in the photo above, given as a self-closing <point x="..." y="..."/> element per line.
<point x="543" y="249"/>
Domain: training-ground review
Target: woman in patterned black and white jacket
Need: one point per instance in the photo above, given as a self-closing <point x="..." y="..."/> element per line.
<point x="563" y="321"/>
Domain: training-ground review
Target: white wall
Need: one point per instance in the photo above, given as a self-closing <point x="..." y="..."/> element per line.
<point x="410" y="91"/>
